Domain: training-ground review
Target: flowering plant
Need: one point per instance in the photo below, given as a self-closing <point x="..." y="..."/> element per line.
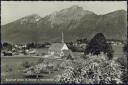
<point x="95" y="69"/>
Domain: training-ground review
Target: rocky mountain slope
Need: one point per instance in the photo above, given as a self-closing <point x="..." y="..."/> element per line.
<point x="75" y="22"/>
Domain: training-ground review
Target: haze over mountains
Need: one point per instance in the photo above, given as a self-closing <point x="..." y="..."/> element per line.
<point x="75" y="22"/>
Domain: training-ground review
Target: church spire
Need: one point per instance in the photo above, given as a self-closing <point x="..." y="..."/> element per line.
<point x="62" y="38"/>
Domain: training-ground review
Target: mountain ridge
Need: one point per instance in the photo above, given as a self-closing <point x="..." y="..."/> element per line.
<point x="74" y="22"/>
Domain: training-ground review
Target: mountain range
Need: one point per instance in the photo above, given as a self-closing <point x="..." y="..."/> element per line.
<point x="74" y="22"/>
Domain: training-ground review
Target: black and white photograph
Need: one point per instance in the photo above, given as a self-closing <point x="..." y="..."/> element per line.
<point x="64" y="42"/>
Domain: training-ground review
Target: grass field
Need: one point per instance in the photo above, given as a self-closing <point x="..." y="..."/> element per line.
<point x="16" y="65"/>
<point x="11" y="67"/>
<point x="118" y="51"/>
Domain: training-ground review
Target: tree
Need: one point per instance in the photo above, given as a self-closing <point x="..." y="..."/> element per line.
<point x="99" y="44"/>
<point x="125" y="48"/>
<point x="8" y="68"/>
<point x="26" y="64"/>
<point x="95" y="70"/>
<point x="7" y="45"/>
<point x="108" y="49"/>
<point x="124" y="62"/>
<point x="40" y="60"/>
<point x="84" y="40"/>
<point x="1" y="45"/>
<point x="31" y="45"/>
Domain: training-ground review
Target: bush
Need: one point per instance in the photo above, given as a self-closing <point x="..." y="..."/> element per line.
<point x="8" y="68"/>
<point x="99" y="44"/>
<point x="26" y="64"/>
<point x="40" y="60"/>
<point x="123" y="61"/>
<point x="125" y="48"/>
<point x="7" y="46"/>
<point x="95" y="70"/>
<point x="83" y="56"/>
<point x="125" y="76"/>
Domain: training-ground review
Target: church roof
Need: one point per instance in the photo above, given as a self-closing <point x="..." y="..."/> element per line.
<point x="56" y="46"/>
<point x="68" y="53"/>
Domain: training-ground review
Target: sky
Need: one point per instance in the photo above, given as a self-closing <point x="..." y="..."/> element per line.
<point x="13" y="10"/>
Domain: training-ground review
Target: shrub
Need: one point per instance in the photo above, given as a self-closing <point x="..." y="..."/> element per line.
<point x="123" y="61"/>
<point x="8" y="68"/>
<point x="7" y="46"/>
<point x="26" y="64"/>
<point x="125" y="76"/>
<point x="125" y="48"/>
<point x="40" y="60"/>
<point x="95" y="70"/>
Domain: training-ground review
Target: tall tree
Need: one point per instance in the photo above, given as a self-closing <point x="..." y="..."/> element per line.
<point x="125" y="48"/>
<point x="99" y="44"/>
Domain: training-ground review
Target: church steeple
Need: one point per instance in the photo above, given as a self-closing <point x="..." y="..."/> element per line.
<point x="62" y="38"/>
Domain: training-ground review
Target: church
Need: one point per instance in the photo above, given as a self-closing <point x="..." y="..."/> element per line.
<point x="59" y="49"/>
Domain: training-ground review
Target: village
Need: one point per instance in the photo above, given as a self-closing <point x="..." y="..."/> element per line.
<point x="32" y="49"/>
<point x="44" y="60"/>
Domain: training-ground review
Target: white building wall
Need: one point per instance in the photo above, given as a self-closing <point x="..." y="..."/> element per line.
<point x="64" y="47"/>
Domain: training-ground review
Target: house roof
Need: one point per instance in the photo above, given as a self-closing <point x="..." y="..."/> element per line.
<point x="57" y="46"/>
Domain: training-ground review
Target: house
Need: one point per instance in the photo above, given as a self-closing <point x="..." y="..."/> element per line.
<point x="59" y="49"/>
<point x="32" y="51"/>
